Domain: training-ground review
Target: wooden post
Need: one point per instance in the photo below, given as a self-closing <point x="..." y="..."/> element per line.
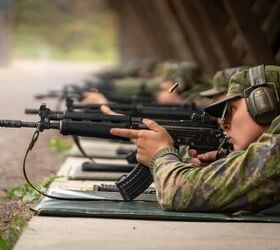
<point x="132" y="40"/>
<point x="147" y="36"/>
<point x="272" y="30"/>
<point x="149" y="16"/>
<point x="196" y="34"/>
<point x="247" y="24"/>
<point x="212" y="13"/>
<point x="171" y="31"/>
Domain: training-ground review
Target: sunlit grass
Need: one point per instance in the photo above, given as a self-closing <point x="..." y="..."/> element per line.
<point x="22" y="197"/>
<point x="26" y="196"/>
<point x="26" y="193"/>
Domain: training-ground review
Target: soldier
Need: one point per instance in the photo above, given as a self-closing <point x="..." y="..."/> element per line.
<point x="186" y="73"/>
<point x="189" y="77"/>
<point x="217" y="92"/>
<point x="249" y="177"/>
<point x="131" y="79"/>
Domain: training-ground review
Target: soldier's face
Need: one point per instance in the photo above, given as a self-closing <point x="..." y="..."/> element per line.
<point x="239" y="125"/>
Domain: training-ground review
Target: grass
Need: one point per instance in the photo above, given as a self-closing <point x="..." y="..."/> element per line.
<point x="18" y="214"/>
<point x="60" y="145"/>
<point x="3" y="244"/>
<point x="15" y="229"/>
<point x="26" y="193"/>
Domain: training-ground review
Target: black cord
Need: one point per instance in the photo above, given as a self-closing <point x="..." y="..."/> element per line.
<point x="30" y="147"/>
<point x="79" y="146"/>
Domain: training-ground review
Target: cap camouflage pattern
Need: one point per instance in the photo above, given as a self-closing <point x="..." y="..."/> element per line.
<point x="181" y="72"/>
<point x="239" y="82"/>
<point x="220" y="81"/>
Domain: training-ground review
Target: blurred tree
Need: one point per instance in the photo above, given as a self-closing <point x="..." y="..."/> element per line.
<point x="6" y="14"/>
<point x="65" y="29"/>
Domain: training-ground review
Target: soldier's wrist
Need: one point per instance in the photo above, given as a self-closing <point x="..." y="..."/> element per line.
<point x="163" y="152"/>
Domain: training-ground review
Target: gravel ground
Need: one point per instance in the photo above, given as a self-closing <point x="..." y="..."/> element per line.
<point x="18" y="83"/>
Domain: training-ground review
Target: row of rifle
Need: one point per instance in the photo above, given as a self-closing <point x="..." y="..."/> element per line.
<point x="186" y="124"/>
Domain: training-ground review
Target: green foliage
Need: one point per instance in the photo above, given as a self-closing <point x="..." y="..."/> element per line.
<point x="27" y="193"/>
<point x="60" y="145"/>
<point x="3" y="244"/>
<point x="20" y="217"/>
<point x="67" y="30"/>
<point x="24" y="192"/>
<point x="15" y="229"/>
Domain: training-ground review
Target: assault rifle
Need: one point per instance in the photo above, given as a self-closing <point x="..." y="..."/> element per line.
<point x="199" y="133"/>
<point x="76" y="92"/>
<point x="152" y="111"/>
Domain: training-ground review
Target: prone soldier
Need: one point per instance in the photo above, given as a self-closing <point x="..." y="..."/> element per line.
<point x="249" y="177"/>
<point x="187" y="74"/>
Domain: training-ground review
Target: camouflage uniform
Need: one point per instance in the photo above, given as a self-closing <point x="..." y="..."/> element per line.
<point x="244" y="180"/>
<point x="143" y="68"/>
<point x="132" y="85"/>
<point x="191" y="80"/>
<point x="219" y="86"/>
<point x="183" y="72"/>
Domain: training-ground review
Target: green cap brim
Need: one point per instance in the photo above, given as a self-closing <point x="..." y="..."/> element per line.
<point x="216" y="109"/>
<point x="212" y="92"/>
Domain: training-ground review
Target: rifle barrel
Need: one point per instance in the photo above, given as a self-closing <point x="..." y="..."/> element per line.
<point x="17" y="124"/>
<point x="23" y="124"/>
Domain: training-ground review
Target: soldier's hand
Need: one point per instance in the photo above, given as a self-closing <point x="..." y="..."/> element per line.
<point x="94" y="98"/>
<point x="204" y="159"/>
<point x="148" y="142"/>
<point x="107" y="111"/>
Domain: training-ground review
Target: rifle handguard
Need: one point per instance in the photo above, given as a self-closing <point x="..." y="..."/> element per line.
<point x="135" y="183"/>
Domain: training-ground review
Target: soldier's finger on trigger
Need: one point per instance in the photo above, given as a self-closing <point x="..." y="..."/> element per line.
<point x="127" y="133"/>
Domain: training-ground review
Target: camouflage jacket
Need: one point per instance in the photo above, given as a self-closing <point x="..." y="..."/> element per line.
<point x="244" y="180"/>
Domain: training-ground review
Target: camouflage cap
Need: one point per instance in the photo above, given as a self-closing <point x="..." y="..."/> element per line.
<point x="220" y="81"/>
<point x="239" y="82"/>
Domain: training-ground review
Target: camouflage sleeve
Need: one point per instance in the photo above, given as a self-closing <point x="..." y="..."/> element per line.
<point x="183" y="150"/>
<point x="244" y="180"/>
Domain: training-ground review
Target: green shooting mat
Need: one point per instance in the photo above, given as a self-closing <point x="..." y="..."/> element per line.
<point x="144" y="207"/>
